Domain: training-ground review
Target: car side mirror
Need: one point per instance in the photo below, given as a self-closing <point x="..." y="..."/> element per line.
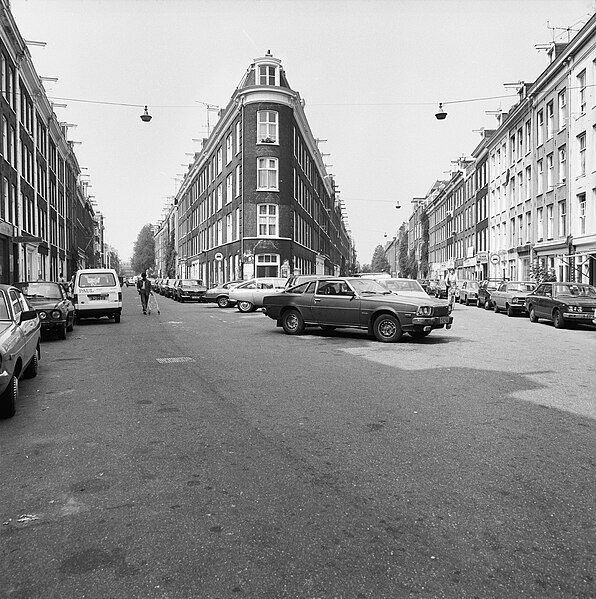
<point x="27" y="315"/>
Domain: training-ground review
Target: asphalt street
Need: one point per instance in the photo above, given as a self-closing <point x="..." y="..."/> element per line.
<point x="202" y="453"/>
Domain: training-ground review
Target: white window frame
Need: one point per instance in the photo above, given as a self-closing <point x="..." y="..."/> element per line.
<point x="540" y="177"/>
<point x="267" y="220"/>
<point x="550" y="119"/>
<point x="539" y="128"/>
<point x="268" y="127"/>
<point x="581" y="147"/>
<point x="267" y="74"/>
<point x="229" y="148"/>
<point x="582" y="213"/>
<point x="229" y="188"/>
<point x="238" y="137"/>
<point x="549" y="221"/>
<point x="581" y="84"/>
<point x="562" y="218"/>
<point x="562" y="109"/>
<point x="562" y="164"/>
<point x="267" y="174"/>
<point x="550" y="169"/>
<point x="540" y="224"/>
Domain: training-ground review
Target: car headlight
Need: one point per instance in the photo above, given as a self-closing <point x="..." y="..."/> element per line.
<point x="574" y="309"/>
<point x="42" y="315"/>
<point x="424" y="311"/>
<point x="56" y="314"/>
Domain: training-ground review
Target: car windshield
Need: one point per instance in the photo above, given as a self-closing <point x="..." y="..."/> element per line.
<point x="575" y="290"/>
<point x="403" y="286"/>
<point x="191" y="283"/>
<point x="520" y="287"/>
<point x="104" y="279"/>
<point x="368" y="286"/>
<point x="41" y="290"/>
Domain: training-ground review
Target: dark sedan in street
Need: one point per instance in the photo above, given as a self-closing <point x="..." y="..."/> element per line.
<point x="337" y="302"/>
<point x="56" y="312"/>
<point x="191" y="290"/>
<point x="562" y="303"/>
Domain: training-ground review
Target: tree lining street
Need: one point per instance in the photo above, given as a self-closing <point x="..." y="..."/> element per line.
<point x="204" y="453"/>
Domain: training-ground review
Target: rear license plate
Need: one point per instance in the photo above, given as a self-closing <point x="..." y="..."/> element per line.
<point x="98" y="297"/>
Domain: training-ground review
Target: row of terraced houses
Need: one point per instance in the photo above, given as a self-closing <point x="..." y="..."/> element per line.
<point x="527" y="193"/>
<point x="47" y="223"/>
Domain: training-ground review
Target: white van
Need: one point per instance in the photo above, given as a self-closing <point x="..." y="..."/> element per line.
<point x="97" y="293"/>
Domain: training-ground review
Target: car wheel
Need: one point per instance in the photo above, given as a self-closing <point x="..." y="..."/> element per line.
<point x="245" y="307"/>
<point x="509" y="311"/>
<point x="532" y="313"/>
<point x="467" y="302"/>
<point x="478" y="304"/>
<point x="8" y="399"/>
<point x="223" y="301"/>
<point x="487" y="305"/>
<point x="62" y="332"/>
<point x="496" y="308"/>
<point x="292" y="322"/>
<point x="33" y="367"/>
<point x="558" y="319"/>
<point x="419" y="334"/>
<point x="181" y="300"/>
<point x="116" y="317"/>
<point x="387" y="329"/>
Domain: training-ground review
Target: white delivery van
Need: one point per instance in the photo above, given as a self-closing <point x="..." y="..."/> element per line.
<point x="97" y="293"/>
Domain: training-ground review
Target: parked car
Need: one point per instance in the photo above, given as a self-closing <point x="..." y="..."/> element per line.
<point x="220" y="294"/>
<point x="20" y="334"/>
<point x="155" y="285"/>
<point x="56" y="312"/>
<point x="249" y="294"/>
<point x="562" y="303"/>
<point x="467" y="292"/>
<point x="424" y="283"/>
<point x="485" y="289"/>
<point x="440" y="289"/>
<point x="168" y="287"/>
<point x="404" y="286"/>
<point x="191" y="290"/>
<point x="510" y="296"/>
<point x="97" y="293"/>
<point x="339" y="302"/>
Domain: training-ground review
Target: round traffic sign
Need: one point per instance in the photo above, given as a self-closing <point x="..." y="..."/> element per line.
<point x="219" y="256"/>
<point x="495" y="258"/>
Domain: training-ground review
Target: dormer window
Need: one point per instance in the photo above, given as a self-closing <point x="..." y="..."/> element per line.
<point x="268" y="74"/>
<point x="267" y="127"/>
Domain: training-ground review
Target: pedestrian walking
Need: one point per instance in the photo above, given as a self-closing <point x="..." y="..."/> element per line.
<point x="451" y="284"/>
<point x="144" y="289"/>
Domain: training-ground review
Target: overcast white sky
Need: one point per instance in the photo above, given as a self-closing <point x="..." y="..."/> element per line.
<point x="371" y="72"/>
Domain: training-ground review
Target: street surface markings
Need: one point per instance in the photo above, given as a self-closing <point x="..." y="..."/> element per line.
<point x="175" y="360"/>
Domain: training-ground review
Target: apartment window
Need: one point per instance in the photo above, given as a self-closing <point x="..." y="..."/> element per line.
<point x="528" y="227"/>
<point x="540" y="127"/>
<point x="528" y="182"/>
<point x="581" y="144"/>
<point x="520" y="142"/>
<point x="267" y="126"/>
<point x="238" y="137"/>
<point x="549" y="221"/>
<point x="219" y="232"/>
<point x="229" y="149"/>
<point x="550" y="120"/>
<point x="550" y="169"/>
<point x="219" y="197"/>
<point x="520" y="187"/>
<point x="229" y="188"/>
<point x="229" y="228"/>
<point x="237" y="171"/>
<point x="582" y="213"/>
<point x="268" y="74"/>
<point x="539" y="177"/>
<point x="512" y="148"/>
<point x="267" y="220"/>
<point x="562" y="164"/>
<point x="267" y="173"/>
<point x="520" y="230"/>
<point x="562" y="218"/>
<point x="219" y="160"/>
<point x="562" y="109"/>
<point x="540" y="223"/>
<point x="528" y="137"/>
<point x="581" y="85"/>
